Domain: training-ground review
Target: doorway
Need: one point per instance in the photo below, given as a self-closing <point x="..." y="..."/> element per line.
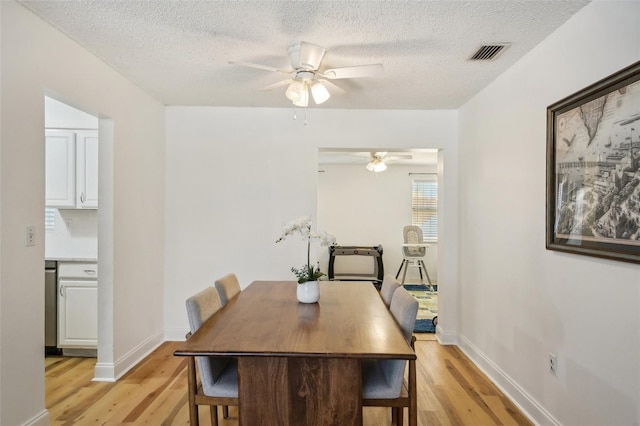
<point x="367" y="208"/>
<point x="71" y="229"/>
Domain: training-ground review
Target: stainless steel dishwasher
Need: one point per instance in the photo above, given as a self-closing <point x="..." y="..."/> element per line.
<point x="51" y="307"/>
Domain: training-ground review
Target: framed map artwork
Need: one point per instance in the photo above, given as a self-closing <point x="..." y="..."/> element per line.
<point x="593" y="169"/>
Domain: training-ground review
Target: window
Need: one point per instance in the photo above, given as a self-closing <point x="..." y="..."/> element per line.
<point x="49" y="218"/>
<point x="424" y="206"/>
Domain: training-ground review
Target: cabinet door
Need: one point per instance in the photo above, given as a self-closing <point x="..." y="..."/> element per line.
<point x="87" y="169"/>
<point x="60" y="169"/>
<point x="77" y="313"/>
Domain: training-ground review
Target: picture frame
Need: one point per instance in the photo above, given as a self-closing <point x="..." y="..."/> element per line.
<point x="593" y="169"/>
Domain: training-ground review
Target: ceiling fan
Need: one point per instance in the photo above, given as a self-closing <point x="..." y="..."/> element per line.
<point x="378" y="161"/>
<point x="306" y="76"/>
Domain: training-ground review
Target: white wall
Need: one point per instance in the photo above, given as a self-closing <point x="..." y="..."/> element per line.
<point x="38" y="60"/>
<point x="58" y="115"/>
<point x="362" y="208"/>
<point x="234" y="175"/>
<point x="520" y="302"/>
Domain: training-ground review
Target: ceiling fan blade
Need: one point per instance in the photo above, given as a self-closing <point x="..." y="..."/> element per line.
<point x="371" y="70"/>
<point x="336" y="90"/>
<point x="311" y="55"/>
<point x="276" y="85"/>
<point x="260" y="67"/>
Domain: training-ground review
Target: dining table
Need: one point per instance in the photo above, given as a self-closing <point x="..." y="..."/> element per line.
<point x="301" y="364"/>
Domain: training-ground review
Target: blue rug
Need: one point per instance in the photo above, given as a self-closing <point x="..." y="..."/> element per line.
<point x="428" y="307"/>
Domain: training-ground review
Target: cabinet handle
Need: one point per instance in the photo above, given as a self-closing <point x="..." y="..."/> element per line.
<point x="90" y="271"/>
<point x="82" y="197"/>
<point x="62" y="290"/>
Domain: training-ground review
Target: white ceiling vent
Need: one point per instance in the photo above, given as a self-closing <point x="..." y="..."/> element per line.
<point x="489" y="52"/>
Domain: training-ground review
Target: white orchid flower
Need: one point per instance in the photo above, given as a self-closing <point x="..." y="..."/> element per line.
<point x="302" y="226"/>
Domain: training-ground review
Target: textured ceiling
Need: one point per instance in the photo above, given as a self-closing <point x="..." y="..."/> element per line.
<point x="178" y="51"/>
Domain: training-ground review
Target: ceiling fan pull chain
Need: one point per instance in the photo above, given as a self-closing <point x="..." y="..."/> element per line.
<point x="295" y="116"/>
<point x="305" y="116"/>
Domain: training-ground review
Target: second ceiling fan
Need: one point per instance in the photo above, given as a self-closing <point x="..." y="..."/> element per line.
<point x="378" y="160"/>
<point x="307" y="79"/>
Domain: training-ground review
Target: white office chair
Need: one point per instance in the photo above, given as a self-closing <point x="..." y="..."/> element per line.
<point x="414" y="249"/>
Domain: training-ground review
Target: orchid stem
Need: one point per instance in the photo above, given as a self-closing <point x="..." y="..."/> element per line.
<point x="308" y="254"/>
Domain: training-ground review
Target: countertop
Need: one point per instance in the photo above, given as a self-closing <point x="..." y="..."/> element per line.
<point x="72" y="259"/>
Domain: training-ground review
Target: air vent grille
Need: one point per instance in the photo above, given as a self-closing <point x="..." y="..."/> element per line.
<point x="488" y="52"/>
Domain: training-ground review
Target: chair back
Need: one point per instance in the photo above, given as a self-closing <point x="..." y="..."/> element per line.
<point x="404" y="308"/>
<point x="199" y="309"/>
<point x="389" y="286"/>
<point x="227" y="287"/>
<point x="413" y="235"/>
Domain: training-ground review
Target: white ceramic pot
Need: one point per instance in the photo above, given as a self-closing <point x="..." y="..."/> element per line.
<point x="308" y="292"/>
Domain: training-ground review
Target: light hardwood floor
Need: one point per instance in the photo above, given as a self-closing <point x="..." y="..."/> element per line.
<point x="451" y="391"/>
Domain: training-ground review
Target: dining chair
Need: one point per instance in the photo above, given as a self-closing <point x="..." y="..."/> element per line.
<point x="218" y="375"/>
<point x="389" y="286"/>
<point x="383" y="383"/>
<point x="227" y="286"/>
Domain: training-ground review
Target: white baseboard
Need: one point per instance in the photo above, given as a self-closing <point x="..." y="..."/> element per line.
<point x="41" y="419"/>
<point x="176" y="334"/>
<point x="446" y="338"/>
<point x="529" y="406"/>
<point x="110" y="372"/>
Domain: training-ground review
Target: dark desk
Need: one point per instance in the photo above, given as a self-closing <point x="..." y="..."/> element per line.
<point x="300" y="364"/>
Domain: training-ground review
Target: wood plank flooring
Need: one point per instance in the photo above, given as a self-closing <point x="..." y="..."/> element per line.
<point x="451" y="391"/>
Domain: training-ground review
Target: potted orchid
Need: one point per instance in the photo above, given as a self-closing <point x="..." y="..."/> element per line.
<point x="308" y="274"/>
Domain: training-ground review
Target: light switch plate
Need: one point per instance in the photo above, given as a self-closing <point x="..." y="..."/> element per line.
<point x="30" y="236"/>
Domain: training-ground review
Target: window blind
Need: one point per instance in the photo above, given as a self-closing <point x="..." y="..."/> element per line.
<point x="49" y="218"/>
<point x="424" y="206"/>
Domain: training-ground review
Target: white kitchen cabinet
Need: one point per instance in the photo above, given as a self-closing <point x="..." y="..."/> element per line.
<point x="60" y="169"/>
<point x="77" y="305"/>
<point x="87" y="169"/>
<point x="72" y="169"/>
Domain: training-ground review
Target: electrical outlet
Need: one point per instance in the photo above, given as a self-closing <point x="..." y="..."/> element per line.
<point x="30" y="236"/>
<point x="553" y="364"/>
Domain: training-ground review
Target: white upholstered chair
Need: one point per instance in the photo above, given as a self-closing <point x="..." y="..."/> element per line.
<point x="227" y="287"/>
<point x="218" y="375"/>
<point x="383" y="383"/>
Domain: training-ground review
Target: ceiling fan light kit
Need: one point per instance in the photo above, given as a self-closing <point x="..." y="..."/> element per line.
<point x="306" y="59"/>
<point x="320" y="93"/>
<point x="376" y="164"/>
<point x="294" y="91"/>
<point x="302" y="96"/>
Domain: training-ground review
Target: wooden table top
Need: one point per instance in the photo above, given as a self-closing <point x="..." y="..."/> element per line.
<point x="350" y="320"/>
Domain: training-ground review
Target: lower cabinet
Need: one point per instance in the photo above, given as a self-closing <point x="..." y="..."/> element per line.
<point x="77" y="305"/>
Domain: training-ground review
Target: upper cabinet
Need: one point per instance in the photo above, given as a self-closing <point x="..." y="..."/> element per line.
<point x="87" y="169"/>
<point x="60" y="169"/>
<point x="72" y="169"/>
